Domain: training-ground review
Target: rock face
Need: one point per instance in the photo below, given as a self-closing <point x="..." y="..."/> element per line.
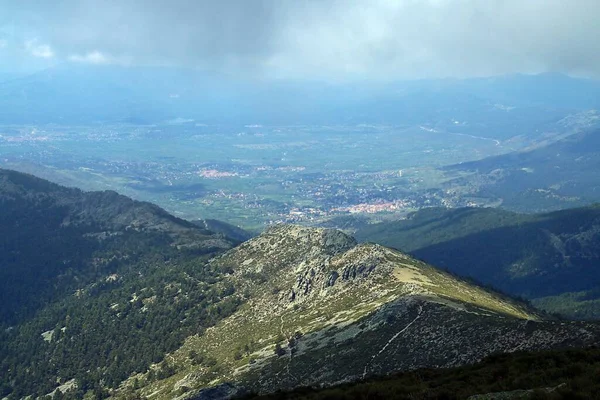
<point x="321" y="309"/>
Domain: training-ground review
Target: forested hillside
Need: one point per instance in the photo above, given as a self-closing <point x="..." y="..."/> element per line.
<point x="95" y="286"/>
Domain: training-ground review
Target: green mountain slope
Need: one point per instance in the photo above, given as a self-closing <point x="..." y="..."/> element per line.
<point x="50" y="234"/>
<point x="118" y="298"/>
<point x="550" y="258"/>
<point x="320" y="309"/>
<point x="95" y="286"/>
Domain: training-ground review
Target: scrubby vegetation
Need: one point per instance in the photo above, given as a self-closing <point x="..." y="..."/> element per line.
<point x="114" y="328"/>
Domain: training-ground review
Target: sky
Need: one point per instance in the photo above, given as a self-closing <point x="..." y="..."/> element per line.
<point x="333" y="40"/>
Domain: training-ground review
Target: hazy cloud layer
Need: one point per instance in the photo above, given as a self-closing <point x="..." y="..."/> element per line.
<point x="382" y="39"/>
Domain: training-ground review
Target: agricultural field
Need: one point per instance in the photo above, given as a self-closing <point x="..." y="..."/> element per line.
<point x="254" y="175"/>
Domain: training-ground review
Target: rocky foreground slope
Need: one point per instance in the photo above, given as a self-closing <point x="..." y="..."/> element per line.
<point x="320" y="309"/>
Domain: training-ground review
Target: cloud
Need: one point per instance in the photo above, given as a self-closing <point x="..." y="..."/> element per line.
<point x="427" y="38"/>
<point x="3" y="43"/>
<point x="94" y="57"/>
<point x="38" y="50"/>
<point x="330" y="39"/>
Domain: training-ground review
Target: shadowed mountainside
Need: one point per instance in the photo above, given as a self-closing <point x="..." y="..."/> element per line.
<point x="551" y="258"/>
<point x="566" y="374"/>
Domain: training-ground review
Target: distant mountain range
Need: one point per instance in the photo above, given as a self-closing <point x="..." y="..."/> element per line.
<point x="114" y="297"/>
<point x="552" y="259"/>
<point x="498" y="107"/>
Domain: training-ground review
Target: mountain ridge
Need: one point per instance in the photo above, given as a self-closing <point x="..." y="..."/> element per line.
<point x="317" y="314"/>
<point x="107" y="209"/>
<point x="147" y="95"/>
